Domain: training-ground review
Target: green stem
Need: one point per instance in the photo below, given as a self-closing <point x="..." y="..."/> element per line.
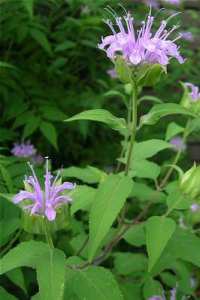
<point x="48" y="234"/>
<point x="176" y="159"/>
<point x="134" y="126"/>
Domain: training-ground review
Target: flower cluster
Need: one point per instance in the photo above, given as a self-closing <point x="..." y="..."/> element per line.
<point x="194" y="93"/>
<point x="178" y="144"/>
<point x="141" y="47"/>
<point x="25" y="149"/>
<point x="43" y="203"/>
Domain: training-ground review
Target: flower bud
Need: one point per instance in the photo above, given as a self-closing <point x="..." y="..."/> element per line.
<point x="189" y="182"/>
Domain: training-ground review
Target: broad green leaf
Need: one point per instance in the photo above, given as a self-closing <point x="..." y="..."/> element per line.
<point x="149" y="75"/>
<point x="127" y="263"/>
<point x="152" y="288"/>
<point x="158" y="232"/>
<point x="41" y="39"/>
<point x="49" y="131"/>
<point x="109" y="200"/>
<point x="7" y="178"/>
<point x="172" y="130"/>
<point x="88" y="174"/>
<point x="4" y="295"/>
<point x="135" y="235"/>
<point x="83" y="197"/>
<point x="177" y="200"/>
<point x="144" y="169"/>
<point x="8" y="228"/>
<point x="144" y="192"/>
<point x="100" y="115"/>
<point x="149" y="148"/>
<point x="31" y="125"/>
<point x="28" y="4"/>
<point x="16" y="276"/>
<point x="162" y="110"/>
<point x="51" y="275"/>
<point x="65" y="46"/>
<point x="93" y="283"/>
<point x="131" y="288"/>
<point x="25" y="254"/>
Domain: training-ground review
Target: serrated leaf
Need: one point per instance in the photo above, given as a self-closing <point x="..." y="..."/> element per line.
<point x="161" y="110"/>
<point x="149" y="148"/>
<point x="93" y="283"/>
<point x="51" y="275"/>
<point x="109" y="200"/>
<point x="49" y="131"/>
<point x="100" y="115"/>
<point x="158" y="232"/>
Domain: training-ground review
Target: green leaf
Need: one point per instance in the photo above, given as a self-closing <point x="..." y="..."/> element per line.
<point x="7" y="178"/>
<point x="65" y="45"/>
<point x="25" y="254"/>
<point x="110" y="198"/>
<point x="144" y="169"/>
<point x="158" y="232"/>
<point x="149" y="75"/>
<point x="4" y="295"/>
<point x="177" y="200"/>
<point x="144" y="192"/>
<point x="16" y="276"/>
<point x="41" y="39"/>
<point x="152" y="288"/>
<point x="52" y="113"/>
<point x="149" y="148"/>
<point x="162" y="110"/>
<point x="88" y="174"/>
<point x="135" y="235"/>
<point x="172" y="130"/>
<point x="8" y="228"/>
<point x="131" y="288"/>
<point x="124" y="72"/>
<point x="49" y="131"/>
<point x="51" y="275"/>
<point x="83" y="197"/>
<point x="28" y="4"/>
<point x="7" y="65"/>
<point x="93" y="283"/>
<point x="31" y="126"/>
<point x="100" y="115"/>
<point x="127" y="263"/>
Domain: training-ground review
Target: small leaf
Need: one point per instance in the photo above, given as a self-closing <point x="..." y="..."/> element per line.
<point x="172" y="130"/>
<point x="144" y="169"/>
<point x="109" y="200"/>
<point x="127" y="263"/>
<point x="49" y="132"/>
<point x="162" y="110"/>
<point x="28" y="4"/>
<point x="41" y="39"/>
<point x="135" y="235"/>
<point x="31" y="126"/>
<point x="152" y="288"/>
<point x="82" y="198"/>
<point x="158" y="232"/>
<point x="149" y="75"/>
<point x="149" y="148"/>
<point x="100" y="115"/>
<point x="88" y="174"/>
<point x="124" y="72"/>
<point x="64" y="46"/>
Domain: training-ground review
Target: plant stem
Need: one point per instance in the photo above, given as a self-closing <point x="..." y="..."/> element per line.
<point x="134" y="126"/>
<point x="48" y="234"/>
<point x="176" y="159"/>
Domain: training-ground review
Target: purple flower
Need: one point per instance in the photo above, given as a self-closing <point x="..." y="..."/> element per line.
<point x="194" y="94"/>
<point x="177" y="143"/>
<point x="43" y="203"/>
<point x="23" y="150"/>
<point x="142" y="46"/>
<point x="188" y="36"/>
<point x="37" y="159"/>
<point x="152" y="3"/>
<point x="173" y="294"/>
<point x="112" y="73"/>
<point x="194" y="207"/>
<point x="173" y="2"/>
<point x="156" y="298"/>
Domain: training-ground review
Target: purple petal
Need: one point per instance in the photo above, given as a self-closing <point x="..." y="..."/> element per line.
<point x="50" y="213"/>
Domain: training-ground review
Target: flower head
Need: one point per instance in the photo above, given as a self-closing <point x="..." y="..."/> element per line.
<point x="173" y="2"/>
<point x="43" y="203"/>
<point x="194" y="207"/>
<point x="152" y="3"/>
<point x="25" y="149"/>
<point x="187" y="35"/>
<point x="178" y="143"/>
<point x="194" y="93"/>
<point x="142" y="46"/>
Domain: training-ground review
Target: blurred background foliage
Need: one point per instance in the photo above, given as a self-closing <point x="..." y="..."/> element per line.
<point x="51" y="68"/>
